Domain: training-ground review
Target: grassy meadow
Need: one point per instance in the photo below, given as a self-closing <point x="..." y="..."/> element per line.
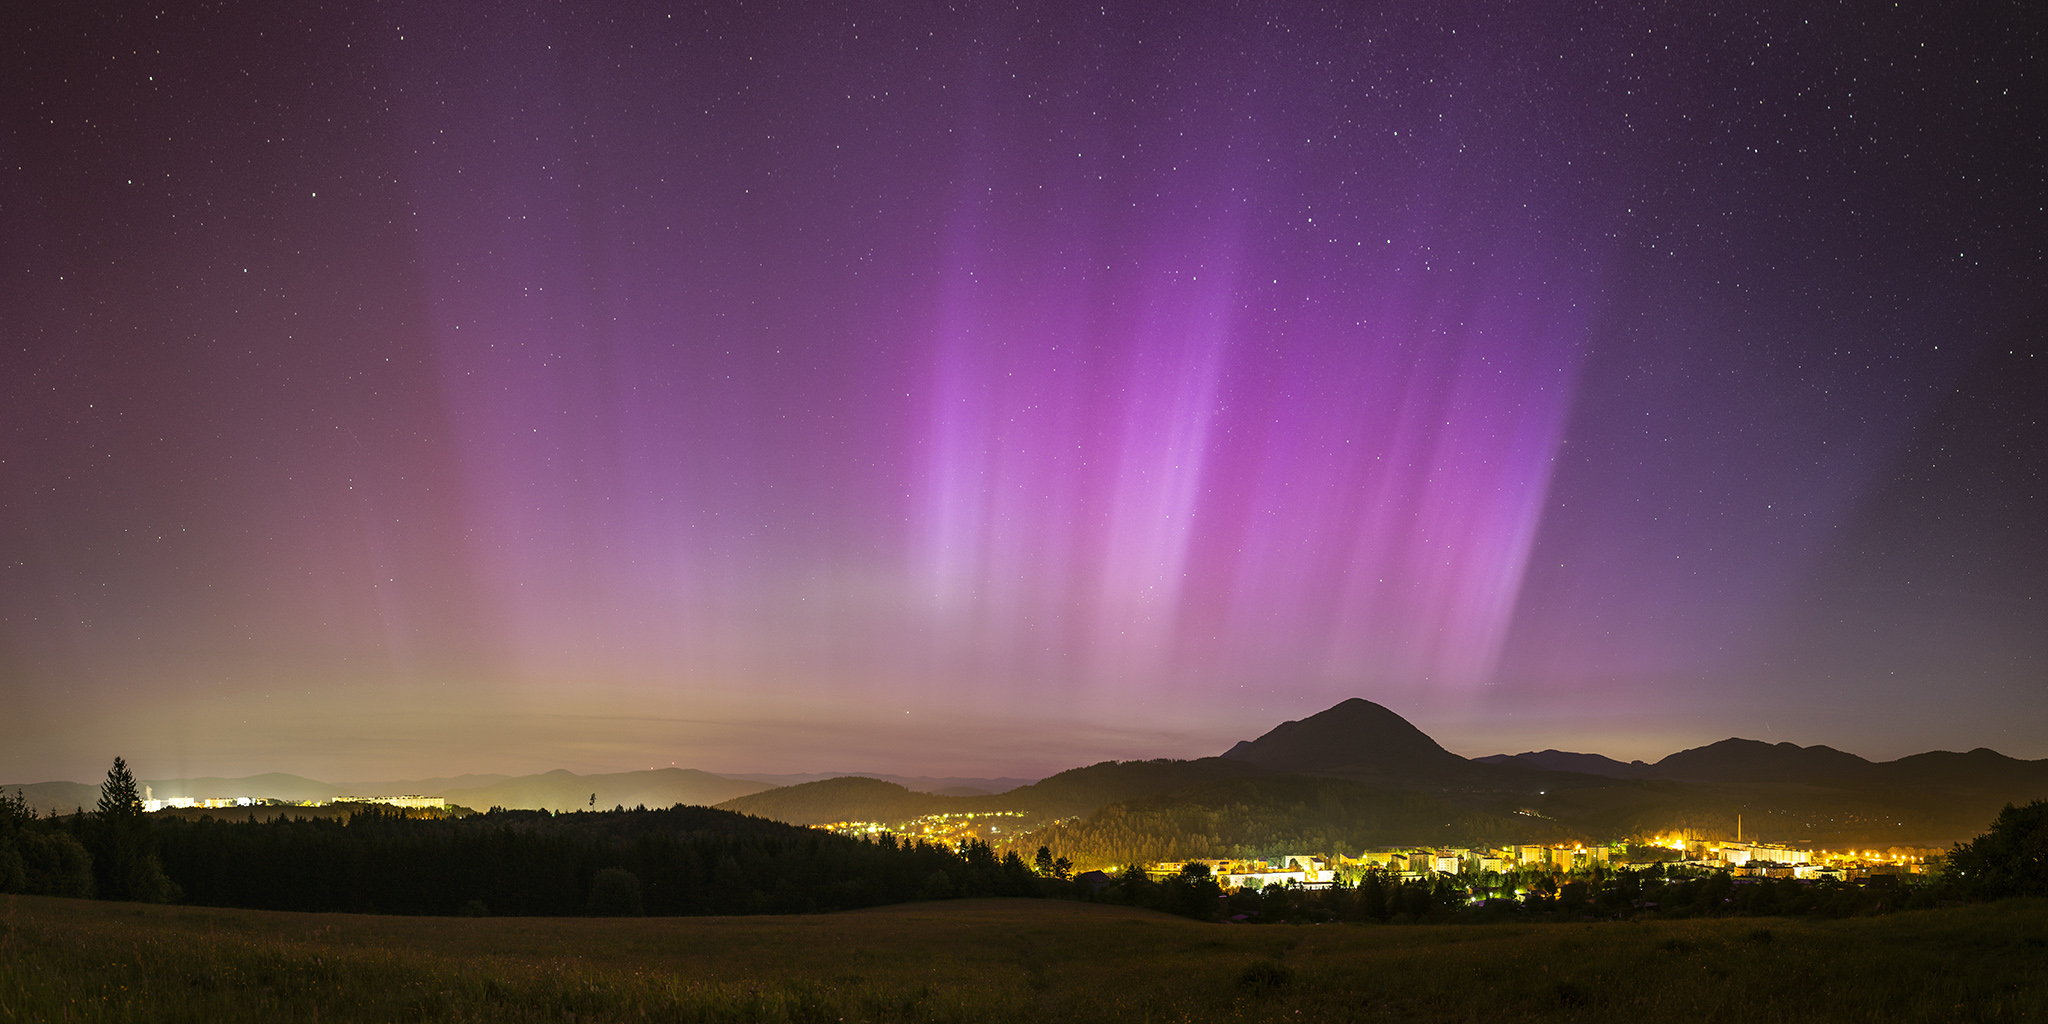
<point x="1007" y="960"/>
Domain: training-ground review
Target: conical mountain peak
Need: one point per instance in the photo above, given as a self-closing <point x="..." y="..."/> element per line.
<point x="1354" y="734"/>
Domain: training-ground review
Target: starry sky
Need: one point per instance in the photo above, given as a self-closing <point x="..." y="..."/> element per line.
<point x="407" y="389"/>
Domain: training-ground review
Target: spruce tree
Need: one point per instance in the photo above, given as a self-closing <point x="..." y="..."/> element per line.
<point x="118" y="800"/>
<point x="124" y="863"/>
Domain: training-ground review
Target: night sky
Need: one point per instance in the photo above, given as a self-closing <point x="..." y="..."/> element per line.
<point x="407" y="389"/>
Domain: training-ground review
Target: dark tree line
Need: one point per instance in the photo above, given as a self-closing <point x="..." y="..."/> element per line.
<point x="680" y="860"/>
<point x="39" y="857"/>
<point x="107" y="853"/>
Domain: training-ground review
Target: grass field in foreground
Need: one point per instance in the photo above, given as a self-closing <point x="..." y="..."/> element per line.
<point x="1007" y="960"/>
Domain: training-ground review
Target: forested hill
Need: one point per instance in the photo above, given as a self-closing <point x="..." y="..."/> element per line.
<point x="1257" y="817"/>
<point x="1081" y="790"/>
<point x="1071" y="792"/>
<point x="851" y="798"/>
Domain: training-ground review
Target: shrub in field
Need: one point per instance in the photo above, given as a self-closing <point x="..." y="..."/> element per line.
<point x="37" y="857"/>
<point x="615" y="892"/>
<point x="52" y="863"/>
<point x="938" y="887"/>
<point x="1264" y="977"/>
<point x="2009" y="860"/>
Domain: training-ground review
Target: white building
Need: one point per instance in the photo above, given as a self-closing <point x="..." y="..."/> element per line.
<point x="1262" y="879"/>
<point x="393" y="801"/>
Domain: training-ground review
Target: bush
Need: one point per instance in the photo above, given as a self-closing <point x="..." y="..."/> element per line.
<point x="145" y="881"/>
<point x="53" y="864"/>
<point x="2009" y="860"/>
<point x="938" y="887"/>
<point x="1263" y="977"/>
<point x="1571" y="994"/>
<point x="615" y="892"/>
<point x="13" y="870"/>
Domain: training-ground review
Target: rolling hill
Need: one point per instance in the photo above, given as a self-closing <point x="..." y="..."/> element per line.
<point x="848" y="798"/>
<point x="1071" y="792"/>
<point x="947" y="786"/>
<point x="65" y="797"/>
<point x="1741" y="760"/>
<point x="1080" y="790"/>
<point x="1272" y="815"/>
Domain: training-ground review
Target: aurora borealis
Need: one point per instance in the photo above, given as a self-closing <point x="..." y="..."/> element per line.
<point x="417" y="389"/>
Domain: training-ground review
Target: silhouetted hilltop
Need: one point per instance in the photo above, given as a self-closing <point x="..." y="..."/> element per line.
<point x="1356" y="734"/>
<point x="848" y="798"/>
<point x="1071" y="792"/>
<point x="1740" y="760"/>
<point x="272" y="786"/>
<point x="1981" y="768"/>
<point x="54" y="797"/>
<point x="423" y="787"/>
<point x="1080" y="790"/>
<point x="1274" y="815"/>
<point x="951" y="785"/>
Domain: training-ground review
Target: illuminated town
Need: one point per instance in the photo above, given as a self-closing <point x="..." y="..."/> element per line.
<point x="1503" y="867"/>
<point x="1493" y="868"/>
<point x="992" y="827"/>
<point x="152" y="804"/>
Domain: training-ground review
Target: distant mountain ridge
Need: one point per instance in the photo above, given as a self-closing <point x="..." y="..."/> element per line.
<point x="946" y="786"/>
<point x="558" y="790"/>
<point x="65" y="797"/>
<point x="1817" y="793"/>
<point x="1071" y="792"/>
<point x="1742" y="760"/>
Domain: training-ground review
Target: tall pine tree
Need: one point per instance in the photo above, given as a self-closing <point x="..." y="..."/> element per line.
<point x="124" y="861"/>
<point x="118" y="799"/>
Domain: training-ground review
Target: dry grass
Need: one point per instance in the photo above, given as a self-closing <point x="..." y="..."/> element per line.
<point x="1006" y="960"/>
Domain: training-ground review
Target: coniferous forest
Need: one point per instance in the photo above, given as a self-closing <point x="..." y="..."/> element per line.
<point x="680" y="860"/>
